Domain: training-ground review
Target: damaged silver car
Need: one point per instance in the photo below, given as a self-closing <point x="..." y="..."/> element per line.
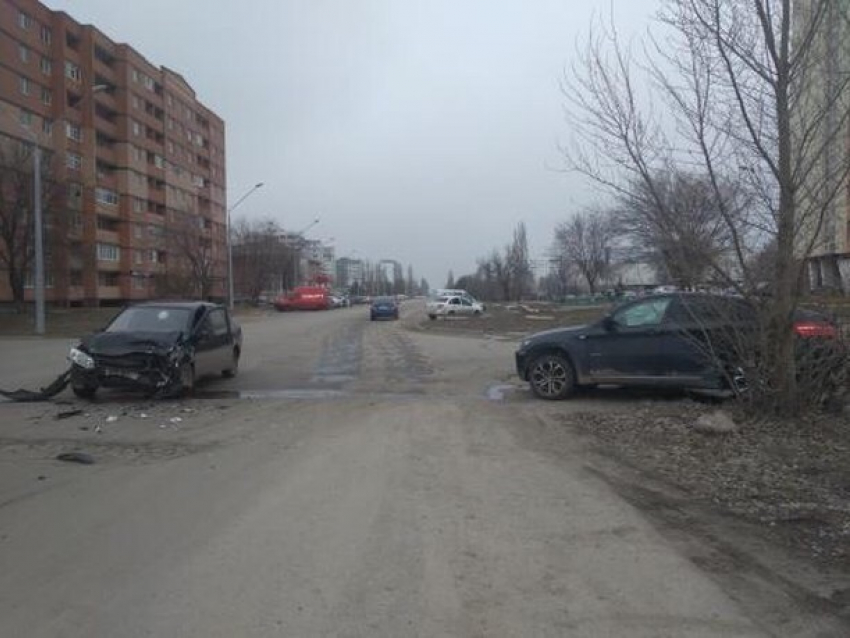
<point x="160" y="348"/>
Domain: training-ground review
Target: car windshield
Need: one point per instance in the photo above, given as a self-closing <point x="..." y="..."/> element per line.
<point x="151" y="319"/>
<point x="384" y="301"/>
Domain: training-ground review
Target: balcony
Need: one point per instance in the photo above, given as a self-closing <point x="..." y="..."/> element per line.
<point x="109" y="292"/>
<point x="108" y="236"/>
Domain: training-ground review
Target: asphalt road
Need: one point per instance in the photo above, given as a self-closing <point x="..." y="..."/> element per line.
<point x="356" y="479"/>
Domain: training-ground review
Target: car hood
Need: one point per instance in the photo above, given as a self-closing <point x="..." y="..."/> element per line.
<point x="555" y="334"/>
<point x="122" y="343"/>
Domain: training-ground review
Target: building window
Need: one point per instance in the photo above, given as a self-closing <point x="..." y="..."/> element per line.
<point x="23" y="53"/>
<point x="154" y="256"/>
<point x="46" y="35"/>
<point x="73" y="132"/>
<point x="29" y="278"/>
<point x="24" y="21"/>
<point x="75" y="278"/>
<point x="76" y="223"/>
<point x="148" y="82"/>
<point x="138" y="207"/>
<point x="75" y="196"/>
<point x="73" y="161"/>
<point x="158" y="161"/>
<point x="24" y="84"/>
<point x="156" y="231"/>
<point x="46" y="96"/>
<point x="107" y="279"/>
<point x="46" y="66"/>
<point x="108" y="252"/>
<point x="47" y="126"/>
<point x="135" y="75"/>
<point x="106" y="196"/>
<point x="137" y="128"/>
<point x="72" y="71"/>
<point x="25" y="117"/>
<point x="138" y="256"/>
<point x="139" y="282"/>
<point x="135" y="101"/>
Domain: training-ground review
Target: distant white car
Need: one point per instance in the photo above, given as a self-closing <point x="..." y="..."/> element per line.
<point x="448" y="306"/>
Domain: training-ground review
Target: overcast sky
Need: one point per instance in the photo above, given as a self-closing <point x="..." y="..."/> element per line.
<point x="416" y="130"/>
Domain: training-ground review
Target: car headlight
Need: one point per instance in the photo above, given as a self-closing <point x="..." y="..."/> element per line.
<point x="81" y="359"/>
<point x="524" y="343"/>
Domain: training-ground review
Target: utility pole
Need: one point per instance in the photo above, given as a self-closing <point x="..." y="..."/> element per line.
<point x="39" y="240"/>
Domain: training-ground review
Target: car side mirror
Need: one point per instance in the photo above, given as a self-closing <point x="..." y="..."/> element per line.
<point x="609" y="324"/>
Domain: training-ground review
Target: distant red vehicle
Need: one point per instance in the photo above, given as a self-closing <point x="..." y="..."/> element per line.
<point x="304" y="298"/>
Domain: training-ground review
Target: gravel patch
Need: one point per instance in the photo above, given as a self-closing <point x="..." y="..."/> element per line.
<point x="790" y="476"/>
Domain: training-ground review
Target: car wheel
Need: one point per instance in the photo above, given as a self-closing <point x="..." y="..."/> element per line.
<point x="551" y="377"/>
<point x="183" y="382"/>
<point x="233" y="370"/>
<point x="432" y="317"/>
<point x="735" y="379"/>
<point x="476" y="312"/>
<point x="84" y="391"/>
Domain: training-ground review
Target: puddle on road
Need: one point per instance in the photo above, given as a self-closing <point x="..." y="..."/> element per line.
<point x="292" y="393"/>
<point x="498" y="392"/>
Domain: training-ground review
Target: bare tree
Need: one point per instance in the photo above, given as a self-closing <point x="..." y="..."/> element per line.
<point x="410" y="284"/>
<point x="518" y="265"/>
<point x="584" y="241"/>
<point x="262" y="260"/>
<point x="741" y="85"/>
<point x="685" y="235"/>
<point x="16" y="211"/>
<point x="192" y="269"/>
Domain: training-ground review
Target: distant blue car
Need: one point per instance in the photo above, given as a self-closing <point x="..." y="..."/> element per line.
<point x="383" y="308"/>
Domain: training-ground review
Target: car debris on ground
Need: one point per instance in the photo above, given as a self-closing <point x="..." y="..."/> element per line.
<point x="76" y="457"/>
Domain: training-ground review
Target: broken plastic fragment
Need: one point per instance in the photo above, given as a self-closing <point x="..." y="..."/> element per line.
<point x="76" y="457"/>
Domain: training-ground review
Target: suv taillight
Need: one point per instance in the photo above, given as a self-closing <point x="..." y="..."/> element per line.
<point x="815" y="329"/>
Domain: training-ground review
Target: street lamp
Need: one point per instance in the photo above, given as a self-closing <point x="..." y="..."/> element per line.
<point x="230" y="244"/>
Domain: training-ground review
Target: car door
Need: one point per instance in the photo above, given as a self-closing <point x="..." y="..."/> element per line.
<point x="205" y="351"/>
<point x="631" y="345"/>
<point x="714" y="331"/>
<point x="466" y="307"/>
<point x="220" y="343"/>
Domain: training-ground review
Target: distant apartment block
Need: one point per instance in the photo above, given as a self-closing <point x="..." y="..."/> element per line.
<point x="136" y="156"/>
<point x="348" y="271"/>
<point x="826" y="83"/>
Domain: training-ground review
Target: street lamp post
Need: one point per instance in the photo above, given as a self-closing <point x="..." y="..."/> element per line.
<point x="38" y="230"/>
<point x="230" y="244"/>
<point x="38" y="240"/>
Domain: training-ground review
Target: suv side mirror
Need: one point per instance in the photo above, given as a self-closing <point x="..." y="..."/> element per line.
<point x="609" y="324"/>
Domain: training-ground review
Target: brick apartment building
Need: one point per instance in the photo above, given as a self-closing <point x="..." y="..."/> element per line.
<point x="132" y="154"/>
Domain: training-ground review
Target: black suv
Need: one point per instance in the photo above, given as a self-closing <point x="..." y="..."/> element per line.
<point x="158" y="347"/>
<point x="677" y="340"/>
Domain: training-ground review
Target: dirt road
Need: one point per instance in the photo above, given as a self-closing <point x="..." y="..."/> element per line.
<point x="356" y="479"/>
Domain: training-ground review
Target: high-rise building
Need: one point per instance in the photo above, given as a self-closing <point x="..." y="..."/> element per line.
<point x="348" y="271"/>
<point x="134" y="172"/>
<point x="824" y="139"/>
